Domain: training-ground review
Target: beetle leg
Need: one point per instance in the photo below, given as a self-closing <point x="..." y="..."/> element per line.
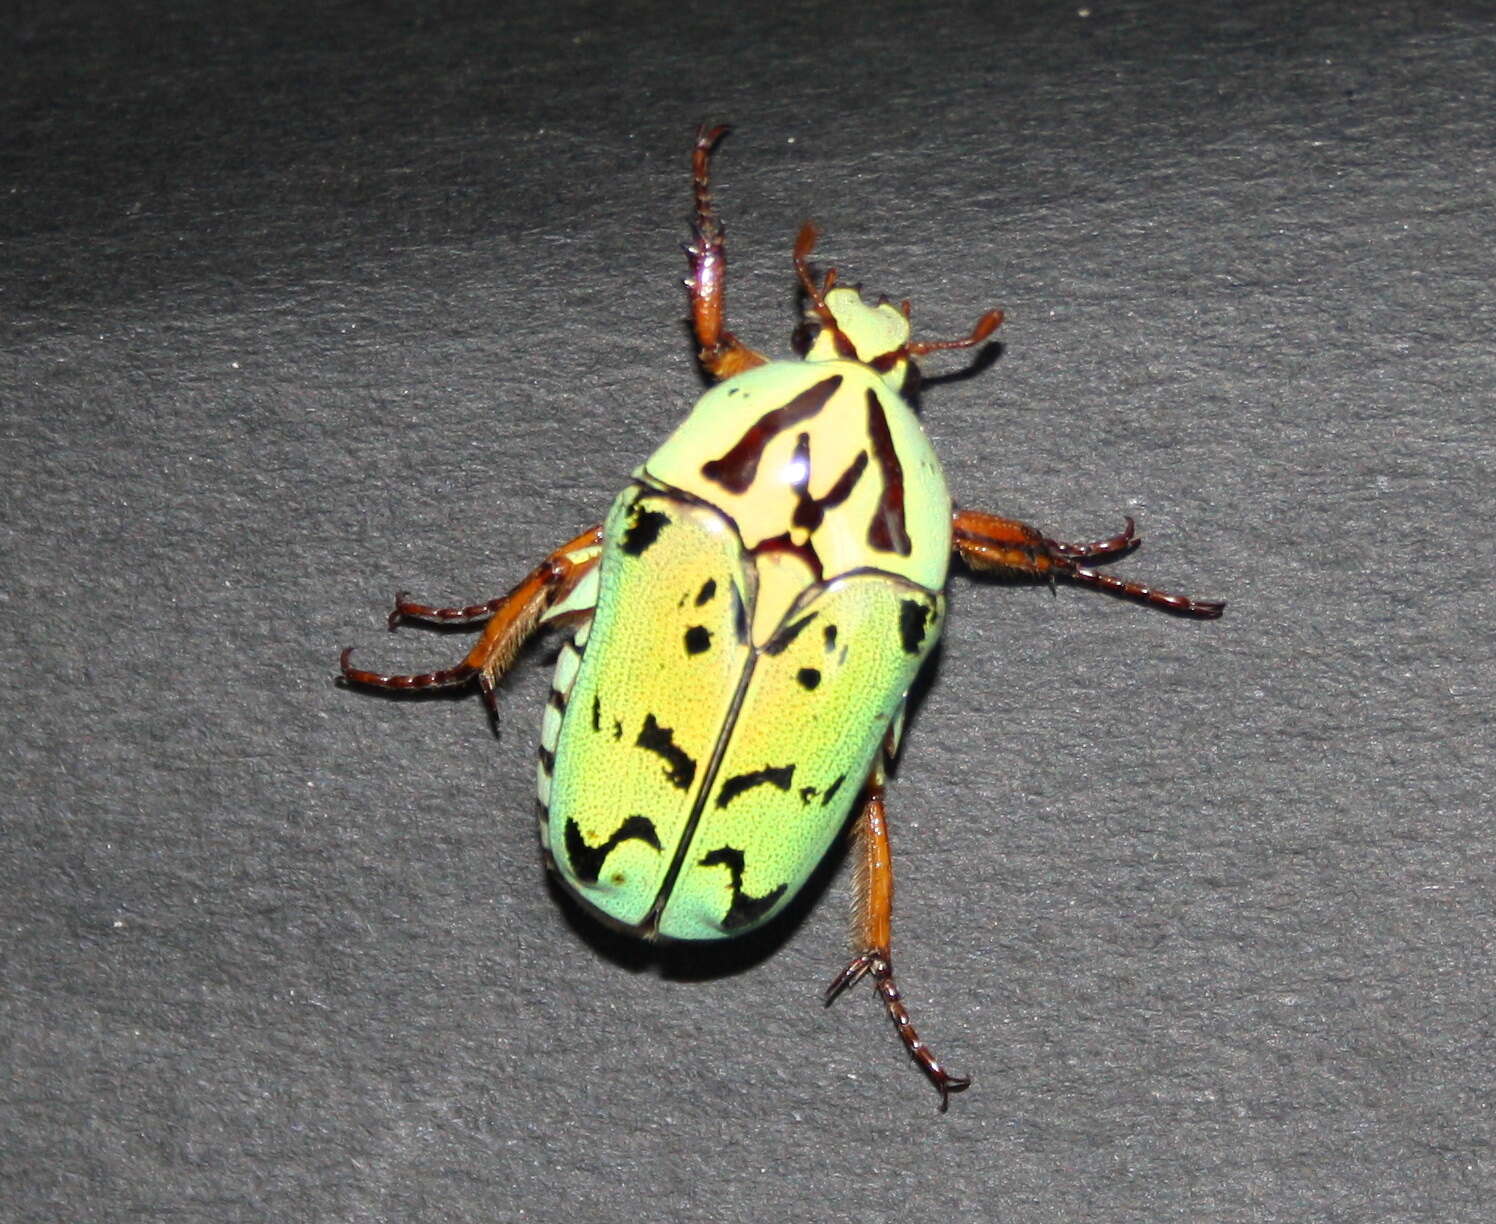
<point x="510" y="620"/>
<point x="406" y="609"/>
<point x="989" y="543"/>
<point x="720" y="352"/>
<point x="1100" y="550"/>
<point x="873" y="876"/>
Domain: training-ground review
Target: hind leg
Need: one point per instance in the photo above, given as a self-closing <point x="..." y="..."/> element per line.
<point x="873" y="873"/>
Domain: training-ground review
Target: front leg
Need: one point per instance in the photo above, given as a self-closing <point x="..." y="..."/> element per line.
<point x="721" y="353"/>
<point x="1000" y="545"/>
<point x="873" y="881"/>
<point x="510" y="620"/>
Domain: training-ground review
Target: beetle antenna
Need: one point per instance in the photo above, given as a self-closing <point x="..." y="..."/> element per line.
<point x="805" y="243"/>
<point x="986" y="325"/>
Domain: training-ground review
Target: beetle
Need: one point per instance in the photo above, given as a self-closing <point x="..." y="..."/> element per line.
<point x="745" y="626"/>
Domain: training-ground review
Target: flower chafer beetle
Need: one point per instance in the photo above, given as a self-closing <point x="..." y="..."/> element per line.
<point x="745" y="627"/>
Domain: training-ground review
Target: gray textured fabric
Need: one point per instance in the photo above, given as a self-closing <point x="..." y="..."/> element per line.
<point x="306" y="304"/>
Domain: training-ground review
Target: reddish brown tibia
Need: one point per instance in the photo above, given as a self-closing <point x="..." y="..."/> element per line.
<point x="872" y="875"/>
<point x="720" y="352"/>
<point x="511" y="619"/>
<point x="987" y="542"/>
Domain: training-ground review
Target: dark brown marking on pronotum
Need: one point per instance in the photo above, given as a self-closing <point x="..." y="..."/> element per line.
<point x="842" y="489"/>
<point x="707" y="593"/>
<point x="786" y="543"/>
<point x="810" y="510"/>
<point x="735" y="470"/>
<point x="586" y="861"/>
<point x="643" y="530"/>
<point x="914" y="618"/>
<point x="744" y="910"/>
<point x="887" y="532"/>
<point x="698" y="638"/>
<point x="800" y="471"/>
<point x="680" y="768"/>
<point x="597" y="713"/>
<point x="808" y="678"/>
<point x="832" y="789"/>
<point x="781" y="776"/>
<point x="780" y="642"/>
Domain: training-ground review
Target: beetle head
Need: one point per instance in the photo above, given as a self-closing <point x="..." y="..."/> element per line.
<point x="876" y="335"/>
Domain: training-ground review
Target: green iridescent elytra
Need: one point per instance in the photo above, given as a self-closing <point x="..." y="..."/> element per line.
<point x="768" y="589"/>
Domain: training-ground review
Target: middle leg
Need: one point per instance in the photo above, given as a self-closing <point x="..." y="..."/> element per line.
<point x="507" y="622"/>
<point x="1001" y="545"/>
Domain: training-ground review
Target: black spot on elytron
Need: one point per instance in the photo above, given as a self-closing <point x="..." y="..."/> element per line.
<point x="698" y="638"/>
<point x="829" y="634"/>
<point x="586" y="861"/>
<point x="617" y="729"/>
<point x="780" y="642"/>
<point x="707" y="593"/>
<point x="913" y="619"/>
<point x="740" y="628"/>
<point x="780" y="776"/>
<point x="887" y="531"/>
<point x="680" y="768"/>
<point x="744" y="910"/>
<point x="735" y="470"/>
<point x="808" y="677"/>
<point x="807" y="793"/>
<point x="832" y="789"/>
<point x="643" y="530"/>
<point x="597" y="713"/>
